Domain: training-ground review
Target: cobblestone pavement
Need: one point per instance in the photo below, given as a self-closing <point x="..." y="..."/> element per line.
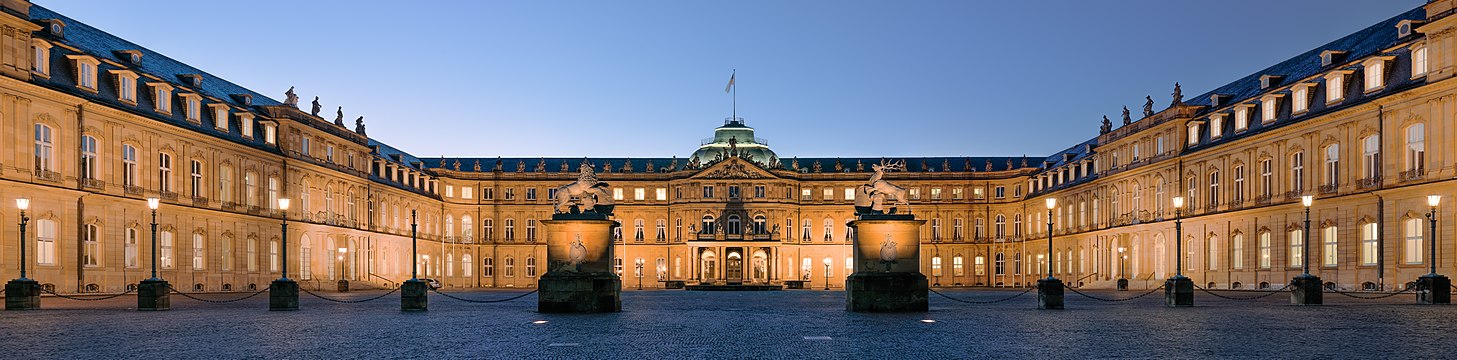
<point x="775" y="324"/>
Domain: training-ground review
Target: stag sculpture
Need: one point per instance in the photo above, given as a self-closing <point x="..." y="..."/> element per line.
<point x="877" y="192"/>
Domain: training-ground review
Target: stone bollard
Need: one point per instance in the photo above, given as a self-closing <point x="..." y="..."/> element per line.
<point x="1049" y="293"/>
<point x="22" y="294"/>
<point x="1179" y="291"/>
<point x="414" y="295"/>
<point x="283" y="295"/>
<point x="1433" y="289"/>
<point x="153" y="295"/>
<point x="1305" y="289"/>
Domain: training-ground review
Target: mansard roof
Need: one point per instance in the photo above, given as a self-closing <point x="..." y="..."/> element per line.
<point x="806" y="165"/>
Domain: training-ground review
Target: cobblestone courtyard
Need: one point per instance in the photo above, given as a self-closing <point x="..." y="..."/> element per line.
<point x="778" y="324"/>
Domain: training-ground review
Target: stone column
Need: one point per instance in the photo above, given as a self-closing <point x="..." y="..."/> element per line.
<point x="887" y="274"/>
<point x="580" y="277"/>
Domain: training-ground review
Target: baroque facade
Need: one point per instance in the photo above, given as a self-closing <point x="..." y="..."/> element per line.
<point x="93" y="125"/>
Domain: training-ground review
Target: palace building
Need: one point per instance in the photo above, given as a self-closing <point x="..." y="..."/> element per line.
<point x="92" y="125"/>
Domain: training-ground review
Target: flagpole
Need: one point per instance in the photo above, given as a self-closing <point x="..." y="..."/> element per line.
<point x="735" y="112"/>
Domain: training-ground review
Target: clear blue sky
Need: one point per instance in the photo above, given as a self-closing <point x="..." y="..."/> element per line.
<point x="646" y="78"/>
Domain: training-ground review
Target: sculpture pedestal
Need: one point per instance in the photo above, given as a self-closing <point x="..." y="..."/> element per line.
<point x="1305" y="289"/>
<point x="579" y="293"/>
<point x="283" y="295"/>
<point x="153" y="295"/>
<point x="22" y="294"/>
<point x="1179" y="291"/>
<point x="1434" y="289"/>
<point x="1049" y="293"/>
<point x="579" y="277"/>
<point x="414" y="295"/>
<point x="886" y="292"/>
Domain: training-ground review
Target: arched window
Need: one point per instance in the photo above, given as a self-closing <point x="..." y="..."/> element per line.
<point x="132" y="249"/>
<point x="488" y="267"/>
<point x="957" y="266"/>
<point x="1017" y="263"/>
<point x="936" y="266"/>
<point x="981" y="265"/>
<point x="1017" y="225"/>
<point x="304" y="200"/>
<point x="805" y="226"/>
<point x="956" y="233"/>
<point x="44" y="155"/>
<point x="735" y="226"/>
<point x="760" y="225"/>
<point x="662" y="230"/>
<point x="1000" y="227"/>
<point x="830" y="229"/>
<point x="979" y="230"/>
<point x="510" y="229"/>
<point x="449" y="264"/>
<point x="1000" y="265"/>
<point x="708" y="225"/>
<point x="467" y="228"/>
<point x="488" y="228"/>
<point x="510" y="266"/>
<point x="1416" y="149"/>
<point x="449" y="225"/>
<point x="305" y="258"/>
<point x="88" y="158"/>
<point x="329" y="202"/>
<point x="531" y="266"/>
<point x="530" y="229"/>
<point x="935" y="228"/>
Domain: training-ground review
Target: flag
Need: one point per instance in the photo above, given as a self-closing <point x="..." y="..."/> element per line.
<point x="730" y="84"/>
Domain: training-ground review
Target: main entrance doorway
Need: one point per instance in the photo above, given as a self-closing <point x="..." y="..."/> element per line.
<point x="734" y="267"/>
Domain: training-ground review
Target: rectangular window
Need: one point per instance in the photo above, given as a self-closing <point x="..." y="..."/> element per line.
<point x="530" y="194"/>
<point x="1328" y="252"/>
<point x="760" y="191"/>
<point x="1332" y="165"/>
<point x="935" y="193"/>
<point x="1269" y="109"/>
<point x="87" y="73"/>
<point x="511" y="194"/>
<point x="129" y="165"/>
<point x="1335" y="87"/>
<point x="956" y="194"/>
<point x="194" y="108"/>
<point x="1267" y="177"/>
<point x="488" y="193"/>
<point x="849" y="194"/>
<point x="163" y="97"/>
<point x="166" y="255"/>
<point x="45" y="239"/>
<point x="1297" y="172"/>
<point x="805" y="194"/>
<point x="270" y="134"/>
<point x="198" y="245"/>
<point x="1237" y="252"/>
<point x="1412" y="249"/>
<point x="1297" y="242"/>
<point x="466" y="192"/>
<point x="1375" y="74"/>
<point x="42" y="59"/>
<point x="92" y="255"/>
<point x="220" y="117"/>
<point x="126" y="88"/>
<point x="1369" y="245"/>
<point x="195" y="175"/>
<point x="449" y="191"/>
<point x="829" y="194"/>
<point x="639" y="194"/>
<point x="1216" y="129"/>
<point x="306" y="146"/>
<point x="272" y="193"/>
<point x="661" y="194"/>
<point x="1416" y="149"/>
<point x="1370" y="157"/>
<point x="1238" y="193"/>
<point x="1419" y="61"/>
<point x="132" y="251"/>
<point x="1265" y="250"/>
<point x="164" y="166"/>
<point x="999" y="192"/>
<point x="1193" y="134"/>
<point x="708" y="191"/>
<point x="245" y="125"/>
<point x="88" y="158"/>
<point x="1300" y="96"/>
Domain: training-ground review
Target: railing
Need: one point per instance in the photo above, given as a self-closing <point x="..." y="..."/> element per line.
<point x="199" y="201"/>
<point x="47" y="175"/>
<point x="169" y="196"/>
<point x="93" y="183"/>
<point x="1293" y="194"/>
<point x="1262" y="200"/>
<point x="1328" y="188"/>
<point x="1412" y="175"/>
<point x="1368" y="183"/>
<point x="388" y="282"/>
<point x="133" y="190"/>
<point x="230" y="206"/>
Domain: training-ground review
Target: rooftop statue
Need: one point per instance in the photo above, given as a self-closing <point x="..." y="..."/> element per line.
<point x="339" y="116"/>
<point x="1126" y="118"/>
<point x="871" y="197"/>
<point x="315" y="110"/>
<point x="1178" y="95"/>
<point x="1148" y="106"/>
<point x="289" y="98"/>
<point x="583" y="196"/>
<point x="1107" y="126"/>
<point x="359" y="125"/>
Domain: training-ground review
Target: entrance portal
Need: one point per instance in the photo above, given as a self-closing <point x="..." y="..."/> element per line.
<point x="734" y="267"/>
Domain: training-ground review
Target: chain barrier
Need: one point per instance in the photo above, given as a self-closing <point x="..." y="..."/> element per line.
<point x="189" y="296"/>
<point x="1075" y="291"/>
<point x="484" y="301"/>
<point x="101" y="297"/>
<point x="1383" y="296"/>
<point x="392" y="291"/>
<point x="1024" y="292"/>
<point x="1243" y="298"/>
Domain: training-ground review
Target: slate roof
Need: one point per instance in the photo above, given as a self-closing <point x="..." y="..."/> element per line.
<point x="554" y="164"/>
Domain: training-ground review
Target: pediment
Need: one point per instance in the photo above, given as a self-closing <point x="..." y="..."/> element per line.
<point x="733" y="168"/>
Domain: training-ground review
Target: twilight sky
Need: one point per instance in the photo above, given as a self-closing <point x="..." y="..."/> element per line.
<point x="646" y="78"/>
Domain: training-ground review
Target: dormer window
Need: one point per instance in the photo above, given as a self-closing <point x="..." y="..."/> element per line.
<point x="57" y="27"/>
<point x="1217" y="100"/>
<point x="193" y="80"/>
<point x="1241" y="117"/>
<point x="1406" y="27"/>
<point x="243" y="99"/>
<point x="193" y="106"/>
<point x="1418" y="60"/>
<point x="219" y="117"/>
<point x="270" y="134"/>
<point x="1216" y="126"/>
<point x="1375" y="71"/>
<point x="1269" y="108"/>
<point x="1331" y="57"/>
<point x="85" y="71"/>
<point x="245" y="124"/>
<point x="1193" y="133"/>
<point x="162" y="97"/>
<point x="132" y="56"/>
<point x="42" y="62"/>
<point x="1335" y="86"/>
<point x="1300" y="98"/>
<point x="1266" y="81"/>
<point x="126" y="86"/>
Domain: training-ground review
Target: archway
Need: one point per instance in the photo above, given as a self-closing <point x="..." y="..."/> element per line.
<point x="708" y="262"/>
<point x="761" y="267"/>
<point x="734" y="266"/>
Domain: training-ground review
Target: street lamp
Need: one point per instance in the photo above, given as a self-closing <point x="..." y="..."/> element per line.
<point x="283" y="207"/>
<point x="283" y="293"/>
<point x="1122" y="263"/>
<point x="153" y="203"/>
<point x="1433" y="287"/>
<point x="638" y="263"/>
<point x="1307" y="287"/>
<point x="1051" y="204"/>
<point x="414" y="248"/>
<point x="1050" y="289"/>
<point x="1179" y="289"/>
<point x="827" y="273"/>
<point x="22" y="204"/>
<point x="1305" y="242"/>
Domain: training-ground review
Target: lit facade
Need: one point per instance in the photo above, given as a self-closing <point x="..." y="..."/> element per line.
<point x="93" y="125"/>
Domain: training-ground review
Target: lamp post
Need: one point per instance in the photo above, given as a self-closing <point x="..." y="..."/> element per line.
<point x="283" y="293"/>
<point x="1122" y="269"/>
<point x="1306" y="288"/>
<point x="1179" y="289"/>
<point x="638" y="264"/>
<point x="827" y="273"/>
<point x="152" y="293"/>
<point x="343" y="278"/>
<point x="1049" y="289"/>
<point x="22" y="293"/>
<point x="153" y="203"/>
<point x="1432" y="287"/>
<point x="23" y="204"/>
<point x="413" y="292"/>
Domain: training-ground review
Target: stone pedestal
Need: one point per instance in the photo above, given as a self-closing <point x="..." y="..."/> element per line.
<point x="22" y="294"/>
<point x="1305" y="289"/>
<point x="1434" y="289"/>
<point x="887" y="255"/>
<point x="153" y="295"/>
<point x="579" y="293"/>
<point x="283" y="295"/>
<point x="414" y="295"/>
<point x="1179" y="291"/>
<point x="343" y="285"/>
<point x="886" y="292"/>
<point x="579" y="277"/>
<point x="1049" y="293"/>
<point x="1122" y="284"/>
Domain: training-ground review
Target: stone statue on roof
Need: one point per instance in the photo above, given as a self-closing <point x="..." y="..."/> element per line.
<point x="289" y="98"/>
<point x="359" y="125"/>
<point x="1178" y="95"/>
<point x="477" y="166"/>
<point x="1127" y="119"/>
<point x="339" y="116"/>
<point x="1107" y="126"/>
<point x="315" y="110"/>
<point x="1148" y="106"/>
